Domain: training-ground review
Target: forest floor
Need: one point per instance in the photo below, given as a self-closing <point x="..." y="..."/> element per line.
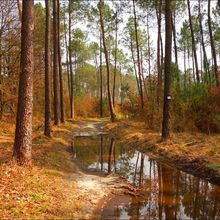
<point x="193" y="152"/>
<point x="54" y="186"/>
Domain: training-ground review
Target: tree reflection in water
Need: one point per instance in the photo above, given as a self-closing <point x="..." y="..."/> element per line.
<point x="168" y="192"/>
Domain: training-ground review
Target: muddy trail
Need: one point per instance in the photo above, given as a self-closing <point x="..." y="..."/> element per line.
<point x="90" y="128"/>
<point x="124" y="183"/>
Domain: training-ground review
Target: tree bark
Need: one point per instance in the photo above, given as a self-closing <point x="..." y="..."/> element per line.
<point x="188" y="60"/>
<point x="19" y="10"/>
<point x="159" y="56"/>
<point x="55" y="63"/>
<point x="67" y="59"/>
<point x="206" y="66"/>
<point x="1" y="79"/>
<point x="47" y="127"/>
<point x="100" y="77"/>
<point x="149" y="51"/>
<point x="138" y="56"/>
<point x="62" y="113"/>
<point x="162" y="58"/>
<point x="167" y="71"/>
<point x="193" y="66"/>
<point x="142" y="73"/>
<point x="217" y="77"/>
<point x="111" y="107"/>
<point x="193" y="43"/>
<point x="72" y="115"/>
<point x="201" y="58"/>
<point x="116" y="50"/>
<point x="121" y="84"/>
<point x="173" y="19"/>
<point x="135" y="70"/>
<point x="184" y="51"/>
<point x="23" y="132"/>
<point x="96" y="91"/>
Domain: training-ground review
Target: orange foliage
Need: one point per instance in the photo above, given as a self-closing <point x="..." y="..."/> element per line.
<point x="214" y="91"/>
<point x="86" y="106"/>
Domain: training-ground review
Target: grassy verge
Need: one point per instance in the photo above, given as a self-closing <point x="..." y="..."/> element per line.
<point x="44" y="190"/>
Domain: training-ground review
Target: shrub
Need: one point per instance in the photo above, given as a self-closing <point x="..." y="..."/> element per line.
<point x="199" y="108"/>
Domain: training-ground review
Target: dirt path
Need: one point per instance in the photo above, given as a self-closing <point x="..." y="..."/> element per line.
<point x="90" y="128"/>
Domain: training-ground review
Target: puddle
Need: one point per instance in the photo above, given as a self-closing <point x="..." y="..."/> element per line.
<point x="168" y="192"/>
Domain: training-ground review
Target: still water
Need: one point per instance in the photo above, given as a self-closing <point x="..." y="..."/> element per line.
<point x="168" y="192"/>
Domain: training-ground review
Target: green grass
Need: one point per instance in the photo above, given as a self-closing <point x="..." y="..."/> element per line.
<point x="213" y="150"/>
<point x="42" y="208"/>
<point x="51" y="172"/>
<point x="39" y="141"/>
<point x="55" y="159"/>
<point x="214" y="166"/>
<point x="38" y="197"/>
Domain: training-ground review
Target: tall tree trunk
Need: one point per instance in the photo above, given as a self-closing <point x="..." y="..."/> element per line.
<point x="67" y="59"/>
<point x="173" y="19"/>
<point x="100" y="77"/>
<point x="116" y="50"/>
<point x="19" y="10"/>
<point x="51" y="79"/>
<point x="193" y="66"/>
<point x="23" y="132"/>
<point x="77" y="77"/>
<point x="149" y="51"/>
<point x="121" y="85"/>
<point x="62" y="113"/>
<point x="188" y="62"/>
<point x="193" y="43"/>
<point x="111" y="107"/>
<point x="71" y="65"/>
<point x="174" y="36"/>
<point x="206" y="66"/>
<point x="142" y="73"/>
<point x="217" y="77"/>
<point x="184" y="67"/>
<point x="201" y="59"/>
<point x="135" y="70"/>
<point x="159" y="56"/>
<point x="167" y="71"/>
<point x="47" y="127"/>
<point x="1" y="78"/>
<point x="138" y="56"/>
<point x="188" y="57"/>
<point x="55" y="63"/>
<point x="96" y="92"/>
<point x="162" y="58"/>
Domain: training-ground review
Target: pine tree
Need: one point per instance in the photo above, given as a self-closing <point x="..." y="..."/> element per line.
<point x="23" y="132"/>
<point x="167" y="71"/>
<point x="47" y="127"/>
